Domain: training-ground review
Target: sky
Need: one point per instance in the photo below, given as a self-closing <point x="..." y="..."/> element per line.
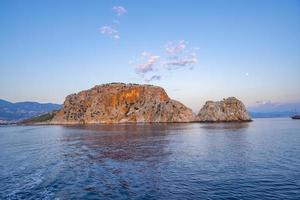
<point x="196" y="50"/>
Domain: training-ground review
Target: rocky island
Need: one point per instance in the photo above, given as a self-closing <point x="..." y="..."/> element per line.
<point x="227" y="110"/>
<point x="133" y="103"/>
<point x="119" y="103"/>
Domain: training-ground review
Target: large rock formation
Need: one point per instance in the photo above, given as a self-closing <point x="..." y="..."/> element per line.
<point x="119" y="102"/>
<point x="227" y="110"/>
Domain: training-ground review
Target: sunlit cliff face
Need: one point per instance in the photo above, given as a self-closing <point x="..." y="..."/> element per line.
<point x="130" y="96"/>
<point x="118" y="102"/>
<point x="135" y="95"/>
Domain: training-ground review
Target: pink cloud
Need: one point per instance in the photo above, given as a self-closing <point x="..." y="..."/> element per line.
<point x="148" y="64"/>
<point x="175" y="47"/>
<point x="153" y="78"/>
<point x="107" y="30"/>
<point x="119" y="10"/>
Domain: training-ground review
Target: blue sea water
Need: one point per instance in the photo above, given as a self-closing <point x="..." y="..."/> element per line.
<point x="257" y="160"/>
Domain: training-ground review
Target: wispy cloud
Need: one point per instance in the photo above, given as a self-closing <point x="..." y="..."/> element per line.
<point x="153" y="78"/>
<point x="177" y="56"/>
<point x="107" y="30"/>
<point x="148" y="62"/>
<point x="180" y="55"/>
<point x="119" y="10"/>
<point x="174" y="48"/>
<point x="263" y="102"/>
<point x="110" y="31"/>
<point x="176" y="63"/>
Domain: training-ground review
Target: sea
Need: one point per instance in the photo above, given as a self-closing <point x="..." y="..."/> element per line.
<point x="255" y="160"/>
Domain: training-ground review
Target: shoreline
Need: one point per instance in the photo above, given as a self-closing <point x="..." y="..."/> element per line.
<point x="133" y="123"/>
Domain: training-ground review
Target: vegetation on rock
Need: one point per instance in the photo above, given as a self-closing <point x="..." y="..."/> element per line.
<point x="38" y="119"/>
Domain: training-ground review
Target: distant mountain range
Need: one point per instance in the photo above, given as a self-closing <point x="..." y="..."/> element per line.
<point x="269" y="109"/>
<point x="13" y="112"/>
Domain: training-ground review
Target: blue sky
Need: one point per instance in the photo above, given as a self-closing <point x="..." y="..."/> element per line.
<point x="196" y="50"/>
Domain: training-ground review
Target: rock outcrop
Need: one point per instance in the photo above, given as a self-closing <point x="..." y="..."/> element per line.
<point x="227" y="110"/>
<point x="118" y="103"/>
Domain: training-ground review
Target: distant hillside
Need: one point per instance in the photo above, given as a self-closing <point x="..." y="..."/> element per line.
<point x="272" y="110"/>
<point x="41" y="118"/>
<point x="12" y="112"/>
<point x="271" y="114"/>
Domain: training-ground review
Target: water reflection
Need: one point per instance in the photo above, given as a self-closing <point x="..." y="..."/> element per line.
<point x="230" y="126"/>
<point x="142" y="142"/>
<point x="123" y="141"/>
<point x="122" y="158"/>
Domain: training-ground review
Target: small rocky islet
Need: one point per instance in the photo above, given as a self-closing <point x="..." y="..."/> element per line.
<point x="227" y="110"/>
<point x="134" y="103"/>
